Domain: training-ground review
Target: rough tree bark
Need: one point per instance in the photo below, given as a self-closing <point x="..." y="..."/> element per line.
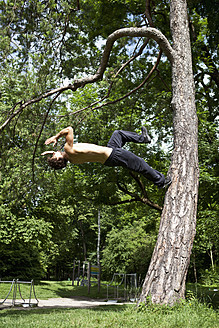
<point x="166" y="276"/>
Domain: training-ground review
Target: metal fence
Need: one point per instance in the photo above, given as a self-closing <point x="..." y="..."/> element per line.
<point x="15" y="296"/>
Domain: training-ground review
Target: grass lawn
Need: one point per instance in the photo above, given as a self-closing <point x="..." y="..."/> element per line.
<point x="124" y="316"/>
<point x="189" y="314"/>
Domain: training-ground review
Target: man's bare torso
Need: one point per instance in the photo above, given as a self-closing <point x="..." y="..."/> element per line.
<point x="84" y="152"/>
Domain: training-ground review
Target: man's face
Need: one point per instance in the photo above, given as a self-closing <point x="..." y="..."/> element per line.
<point x="57" y="155"/>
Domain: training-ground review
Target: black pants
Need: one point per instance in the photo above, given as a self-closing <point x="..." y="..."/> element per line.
<point x="125" y="158"/>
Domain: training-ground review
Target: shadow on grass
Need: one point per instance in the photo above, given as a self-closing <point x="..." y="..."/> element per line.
<point x="45" y="290"/>
<point x="40" y="311"/>
<point x="82" y="293"/>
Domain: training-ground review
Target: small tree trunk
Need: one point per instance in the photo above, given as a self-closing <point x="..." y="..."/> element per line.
<point x="98" y="239"/>
<point x="195" y="271"/>
<point x="212" y="259"/>
<point x="166" y="276"/>
<point x="98" y="250"/>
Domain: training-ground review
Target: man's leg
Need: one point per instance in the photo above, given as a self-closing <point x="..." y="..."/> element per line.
<point x="120" y="137"/>
<point x="127" y="159"/>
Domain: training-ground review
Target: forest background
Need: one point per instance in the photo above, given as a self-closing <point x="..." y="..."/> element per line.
<point x="47" y="218"/>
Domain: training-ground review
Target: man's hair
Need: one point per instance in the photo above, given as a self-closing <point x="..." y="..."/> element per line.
<point x="57" y="163"/>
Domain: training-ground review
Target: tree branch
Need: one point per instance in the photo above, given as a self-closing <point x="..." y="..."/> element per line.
<point x="148" y="32"/>
<point x="118" y="99"/>
<point x="148" y="13"/>
<point x="41" y="130"/>
<point x="124" y="96"/>
<point x="145" y="198"/>
<point x="127" y="201"/>
<point x="139" y="182"/>
<point x="137" y="198"/>
<point x="33" y="101"/>
<point x="111" y="83"/>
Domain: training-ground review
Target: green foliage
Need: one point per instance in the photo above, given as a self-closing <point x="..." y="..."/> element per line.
<point x="193" y="312"/>
<point x="210" y="277"/>
<point x="127" y="250"/>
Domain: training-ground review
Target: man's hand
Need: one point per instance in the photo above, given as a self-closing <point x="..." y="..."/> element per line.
<point x="67" y="133"/>
<point x="47" y="152"/>
<point x="51" y="140"/>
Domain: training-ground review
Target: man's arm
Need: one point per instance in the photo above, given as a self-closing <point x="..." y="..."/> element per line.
<point x="47" y="152"/>
<point x="67" y="133"/>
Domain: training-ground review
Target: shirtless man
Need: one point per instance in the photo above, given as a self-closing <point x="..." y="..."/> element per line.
<point x="112" y="155"/>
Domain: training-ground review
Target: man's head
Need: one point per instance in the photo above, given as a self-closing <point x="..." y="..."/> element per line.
<point x="57" y="161"/>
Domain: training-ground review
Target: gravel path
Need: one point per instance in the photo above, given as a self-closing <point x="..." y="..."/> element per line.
<point x="73" y="303"/>
<point x="61" y="303"/>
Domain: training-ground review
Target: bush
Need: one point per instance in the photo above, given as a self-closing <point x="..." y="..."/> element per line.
<point x="128" y="250"/>
<point x="210" y="277"/>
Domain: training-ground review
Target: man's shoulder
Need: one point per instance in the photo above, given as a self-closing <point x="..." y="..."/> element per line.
<point x="68" y="148"/>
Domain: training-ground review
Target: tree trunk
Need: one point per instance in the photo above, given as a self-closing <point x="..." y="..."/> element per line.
<point x="166" y="276"/>
<point x="98" y="249"/>
<point x="83" y="241"/>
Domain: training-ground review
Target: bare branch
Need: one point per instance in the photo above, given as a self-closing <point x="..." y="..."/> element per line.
<point x="33" y="101"/>
<point x="41" y="130"/>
